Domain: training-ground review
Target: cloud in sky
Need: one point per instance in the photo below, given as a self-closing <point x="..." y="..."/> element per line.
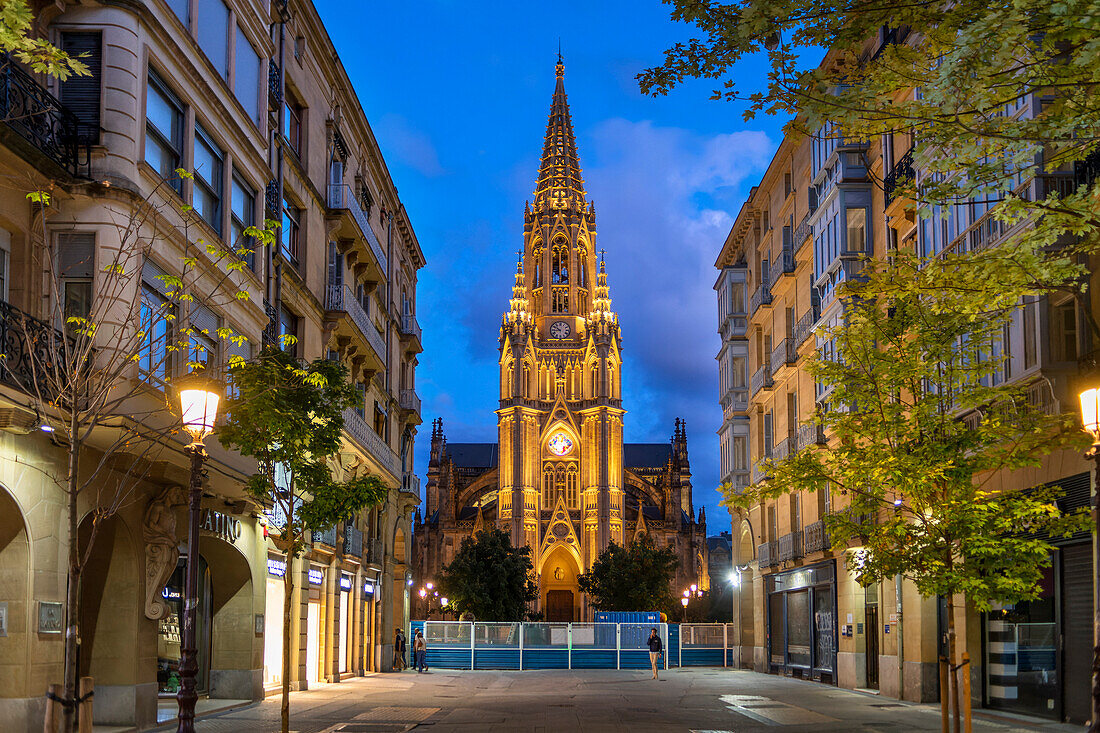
<point x="413" y="147"/>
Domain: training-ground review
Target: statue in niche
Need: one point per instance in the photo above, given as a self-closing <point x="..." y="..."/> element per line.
<point x="161" y="549"/>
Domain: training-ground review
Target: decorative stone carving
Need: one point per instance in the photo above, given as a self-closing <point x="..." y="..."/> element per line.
<point x="161" y="549"/>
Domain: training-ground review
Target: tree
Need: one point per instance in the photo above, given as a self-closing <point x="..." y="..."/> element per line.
<point x="490" y="578"/>
<point x="637" y="577"/>
<point x="17" y="38"/>
<point x="89" y="370"/>
<point x="921" y="423"/>
<point x="288" y="416"/>
<point x="975" y="133"/>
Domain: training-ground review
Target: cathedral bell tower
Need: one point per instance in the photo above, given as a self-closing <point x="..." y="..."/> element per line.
<point x="560" y="419"/>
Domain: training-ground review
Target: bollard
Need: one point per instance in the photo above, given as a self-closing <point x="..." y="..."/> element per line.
<point x="945" y="694"/>
<point x="84" y="710"/>
<point x="52" y="709"/>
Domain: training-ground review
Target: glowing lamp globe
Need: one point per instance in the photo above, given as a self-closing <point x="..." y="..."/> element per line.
<point x="199" y="400"/>
<point x="684" y="601"/>
<point x="1090" y="412"/>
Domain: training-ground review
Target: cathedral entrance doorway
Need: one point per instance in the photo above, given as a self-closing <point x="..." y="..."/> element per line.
<point x="559" y="605"/>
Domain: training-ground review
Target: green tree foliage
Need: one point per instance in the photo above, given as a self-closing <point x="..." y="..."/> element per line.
<point x="637" y="577"/>
<point x="975" y="64"/>
<point x="922" y="424"/>
<point x="288" y="416"/>
<point x="18" y="38"/>
<point x="490" y="578"/>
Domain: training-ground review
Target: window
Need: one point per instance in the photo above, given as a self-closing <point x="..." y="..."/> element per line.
<point x="291" y="231"/>
<point x="246" y="75"/>
<point x="380" y="422"/>
<point x="5" y="262"/>
<point x="547" y="486"/>
<point x="361" y="399"/>
<point x="81" y="93"/>
<point x="571" y="487"/>
<point x="182" y="9"/>
<point x="559" y="264"/>
<point x="786" y="185"/>
<point x="76" y="264"/>
<point x="154" y="359"/>
<point x="288" y="326"/>
<point x="1030" y="357"/>
<point x="209" y="165"/>
<point x="242" y="215"/>
<point x="737" y="298"/>
<point x="292" y="124"/>
<point x="202" y="345"/>
<point x="857" y="229"/>
<point x="163" y="131"/>
<point x="213" y="31"/>
<point x="1064" y="322"/>
<point x="738" y="367"/>
<point x="740" y="453"/>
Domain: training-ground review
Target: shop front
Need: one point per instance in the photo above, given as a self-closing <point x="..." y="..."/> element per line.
<point x="314" y="613"/>
<point x="801" y="622"/>
<point x="273" y="621"/>
<point x="344" y="649"/>
<point x="368" y="639"/>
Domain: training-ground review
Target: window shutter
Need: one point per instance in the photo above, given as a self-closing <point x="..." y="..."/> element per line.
<point x="80" y="94"/>
<point x="153" y="277"/>
<point x="204" y="319"/>
<point x="76" y="256"/>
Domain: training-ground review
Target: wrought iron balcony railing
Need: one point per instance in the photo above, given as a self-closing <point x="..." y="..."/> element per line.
<point x="36" y="115"/>
<point x="410" y="401"/>
<point x="802" y="233"/>
<point x="785" y="353"/>
<point x="810" y="434"/>
<point x="342" y="198"/>
<point x="271" y="330"/>
<point x="790" y="546"/>
<point x="326" y="537"/>
<point x="761" y="379"/>
<point x="900" y="175"/>
<point x="339" y="297"/>
<point x="410" y="326"/>
<point x="805" y="325"/>
<point x="353" y="541"/>
<point x="816" y="536"/>
<point x="767" y="554"/>
<point x="31" y="352"/>
<point x="762" y="296"/>
<point x="274" y="88"/>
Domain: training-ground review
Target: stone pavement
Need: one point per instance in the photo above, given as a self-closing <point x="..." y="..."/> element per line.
<point x="703" y="700"/>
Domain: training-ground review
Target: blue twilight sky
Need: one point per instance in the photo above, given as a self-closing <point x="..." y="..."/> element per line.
<point x="458" y="96"/>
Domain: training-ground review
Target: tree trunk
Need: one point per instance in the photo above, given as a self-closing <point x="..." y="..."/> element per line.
<point x="952" y="672"/>
<point x="72" y="590"/>
<point x="288" y="593"/>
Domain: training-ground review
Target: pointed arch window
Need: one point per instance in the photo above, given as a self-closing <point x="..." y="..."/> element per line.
<point x="559" y="263"/>
<point x="559" y="481"/>
<point x="547" y="486"/>
<point x="538" y="268"/>
<point x="582" y="271"/>
<point x="571" y="486"/>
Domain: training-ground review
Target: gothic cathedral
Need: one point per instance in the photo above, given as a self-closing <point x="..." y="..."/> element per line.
<point x="560" y="478"/>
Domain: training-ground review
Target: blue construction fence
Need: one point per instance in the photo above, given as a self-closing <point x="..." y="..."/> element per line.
<point x="537" y="645"/>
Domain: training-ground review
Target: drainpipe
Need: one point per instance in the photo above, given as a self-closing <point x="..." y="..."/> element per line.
<point x="901" y="637"/>
<point x="274" y="286"/>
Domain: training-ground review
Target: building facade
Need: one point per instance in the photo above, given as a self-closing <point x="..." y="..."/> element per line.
<point x="822" y="206"/>
<point x="252" y="99"/>
<point x="559" y="478"/>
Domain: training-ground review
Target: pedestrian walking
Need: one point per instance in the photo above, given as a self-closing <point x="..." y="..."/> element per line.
<point x="399" y="650"/>
<point x="420" y="651"/>
<point x="655" y="650"/>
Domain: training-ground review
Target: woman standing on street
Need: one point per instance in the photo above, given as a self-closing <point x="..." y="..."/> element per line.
<point x="398" y="650"/>
<point x="654" y="650"/>
<point x="420" y="651"/>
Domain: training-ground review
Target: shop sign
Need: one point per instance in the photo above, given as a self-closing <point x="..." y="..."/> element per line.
<point x="276" y="567"/>
<point x="368" y="589"/>
<point x="220" y="525"/>
<point x="170" y="594"/>
<point x="345" y="582"/>
<point x="315" y="576"/>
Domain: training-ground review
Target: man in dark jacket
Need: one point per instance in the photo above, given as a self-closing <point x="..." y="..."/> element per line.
<point x="655" y="649"/>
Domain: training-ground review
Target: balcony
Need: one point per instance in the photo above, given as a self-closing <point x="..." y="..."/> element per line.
<point x="735" y="327"/>
<point x="899" y="176"/>
<point x="29" y="345"/>
<point x="369" y="441"/>
<point x="410" y="334"/>
<point x="274" y="85"/>
<point x="762" y="296"/>
<point x="805" y="325"/>
<point x="767" y="554"/>
<point x="410" y="484"/>
<point x="410" y="406"/>
<point x="42" y="126"/>
<point x="739" y="479"/>
<point x="785" y="263"/>
<point x="817" y="538"/>
<point x="271" y="330"/>
<point x="803" y="233"/>
<point x="351" y="319"/>
<point x="783" y="449"/>
<point x="790" y="546"/>
<point x="375" y="552"/>
<point x="809" y="434"/>
<point x="353" y="222"/>
<point x="761" y="379"/>
<point x="325" y="537"/>
<point x="353" y="541"/>
<point x="783" y="354"/>
<point x="759" y="469"/>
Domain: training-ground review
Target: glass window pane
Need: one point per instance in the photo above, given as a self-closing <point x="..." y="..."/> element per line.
<point x="181" y="8"/>
<point x="162" y="112"/>
<point x="857" y="226"/>
<point x="775" y="628"/>
<point x="246" y="69"/>
<point x="213" y="22"/>
<point x="824" y="624"/>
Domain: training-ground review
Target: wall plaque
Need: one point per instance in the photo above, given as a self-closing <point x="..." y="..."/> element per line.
<point x="49" y="617"/>
<point x="3" y="618"/>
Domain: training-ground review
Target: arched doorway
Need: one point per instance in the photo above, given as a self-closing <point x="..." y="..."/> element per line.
<point x="233" y="650"/>
<point x="14" y="573"/>
<point x="560" y="593"/>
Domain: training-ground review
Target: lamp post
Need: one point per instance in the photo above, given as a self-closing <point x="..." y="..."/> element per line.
<point x="1090" y="418"/>
<point x="198" y="410"/>
<point x="684" y="603"/>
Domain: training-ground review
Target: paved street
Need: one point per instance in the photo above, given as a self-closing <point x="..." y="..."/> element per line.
<point x="698" y="699"/>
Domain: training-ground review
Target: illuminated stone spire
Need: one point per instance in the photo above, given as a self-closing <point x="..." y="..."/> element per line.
<point x="601" y="302"/>
<point x="519" y="310"/>
<point x="559" y="185"/>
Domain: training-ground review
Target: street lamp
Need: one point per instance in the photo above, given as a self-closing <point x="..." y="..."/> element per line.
<point x="684" y="603"/>
<point x="1090" y="418"/>
<point x="198" y="410"/>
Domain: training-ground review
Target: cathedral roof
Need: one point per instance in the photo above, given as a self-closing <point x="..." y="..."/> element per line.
<point x="560" y="168"/>
<point x="473" y="455"/>
<point x="646" y="455"/>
